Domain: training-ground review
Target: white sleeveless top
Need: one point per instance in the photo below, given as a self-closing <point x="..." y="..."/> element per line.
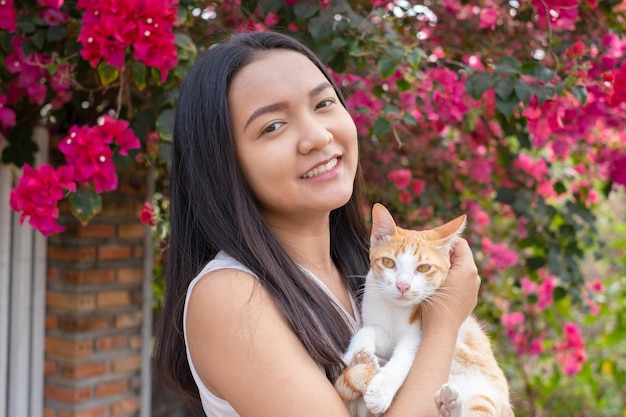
<point x="212" y="405"/>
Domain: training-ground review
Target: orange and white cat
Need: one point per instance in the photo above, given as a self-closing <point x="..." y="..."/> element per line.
<point x="407" y="267"/>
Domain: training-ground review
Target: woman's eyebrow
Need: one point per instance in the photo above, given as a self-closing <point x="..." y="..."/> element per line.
<point x="282" y="105"/>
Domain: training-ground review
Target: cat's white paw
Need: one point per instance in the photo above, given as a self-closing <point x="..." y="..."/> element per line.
<point x="448" y="401"/>
<point x="379" y="393"/>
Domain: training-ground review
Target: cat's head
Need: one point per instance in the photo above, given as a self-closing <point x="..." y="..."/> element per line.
<point x="409" y="265"/>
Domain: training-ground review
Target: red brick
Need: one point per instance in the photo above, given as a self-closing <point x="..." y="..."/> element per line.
<point x="135" y="342"/>
<point x="127" y="320"/>
<point x="102" y="411"/>
<point x="84" y="324"/>
<point x="49" y="367"/>
<point x="68" y="395"/>
<point x="90" y="277"/>
<point x="83" y="370"/>
<point x="111" y="342"/>
<point x="52" y="322"/>
<point x="68" y="348"/>
<point x="92" y="230"/>
<point x="49" y="412"/>
<point x="68" y="254"/>
<point x="79" y="302"/>
<point x="111" y="388"/>
<point x="114" y="252"/>
<point x="126" y="406"/>
<point x="129" y="275"/>
<point x="53" y="274"/>
<point x="115" y="207"/>
<point x="138" y="252"/>
<point x="131" y="230"/>
<point x="113" y="299"/>
<point x="127" y="364"/>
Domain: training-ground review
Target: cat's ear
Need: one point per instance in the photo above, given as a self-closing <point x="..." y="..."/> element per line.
<point x="383" y="225"/>
<point x="446" y="233"/>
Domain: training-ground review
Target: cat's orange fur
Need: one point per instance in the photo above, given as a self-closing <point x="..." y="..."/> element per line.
<point x="477" y="386"/>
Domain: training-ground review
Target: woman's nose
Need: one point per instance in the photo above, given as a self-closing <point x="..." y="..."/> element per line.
<point x="313" y="135"/>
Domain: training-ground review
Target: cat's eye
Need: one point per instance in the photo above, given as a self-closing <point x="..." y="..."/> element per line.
<point x="423" y="268"/>
<point x="388" y="263"/>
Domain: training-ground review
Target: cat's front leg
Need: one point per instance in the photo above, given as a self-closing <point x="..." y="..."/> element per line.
<point x="363" y="342"/>
<point x="385" y="384"/>
<point x="448" y="401"/>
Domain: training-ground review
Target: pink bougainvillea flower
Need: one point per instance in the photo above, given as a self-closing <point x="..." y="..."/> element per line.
<point x="562" y="14"/>
<point x="488" y="19"/>
<point x="54" y="17"/>
<point x="8" y="16"/>
<point x="618" y="170"/>
<point x="54" y="4"/>
<point x="400" y="178"/>
<point x="618" y="93"/>
<point x="271" y="19"/>
<point x="120" y="132"/>
<point x="109" y="30"/>
<point x="37" y="194"/>
<point x="571" y="350"/>
<point x="147" y="215"/>
<point x="7" y="115"/>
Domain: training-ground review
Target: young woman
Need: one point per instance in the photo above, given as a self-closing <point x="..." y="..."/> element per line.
<point x="268" y="245"/>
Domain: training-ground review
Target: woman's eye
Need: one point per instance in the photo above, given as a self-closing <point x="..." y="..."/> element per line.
<point x="272" y="127"/>
<point x="324" y="103"/>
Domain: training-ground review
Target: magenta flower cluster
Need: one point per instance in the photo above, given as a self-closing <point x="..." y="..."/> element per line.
<point x="110" y="27"/>
<point x="88" y="152"/>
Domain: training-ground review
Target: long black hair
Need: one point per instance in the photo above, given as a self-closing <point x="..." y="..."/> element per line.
<point x="212" y="210"/>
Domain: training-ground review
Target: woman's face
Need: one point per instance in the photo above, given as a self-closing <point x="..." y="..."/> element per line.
<point x="296" y="144"/>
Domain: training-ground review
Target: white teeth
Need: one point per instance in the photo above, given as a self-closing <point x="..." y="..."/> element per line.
<point x="321" y="169"/>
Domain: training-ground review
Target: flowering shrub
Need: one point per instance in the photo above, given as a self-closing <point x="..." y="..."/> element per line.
<point x="512" y="112"/>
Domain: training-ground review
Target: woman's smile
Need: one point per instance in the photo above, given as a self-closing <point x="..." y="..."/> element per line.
<point x="322" y="168"/>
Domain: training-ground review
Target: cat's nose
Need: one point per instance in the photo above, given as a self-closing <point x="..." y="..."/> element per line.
<point x="402" y="287"/>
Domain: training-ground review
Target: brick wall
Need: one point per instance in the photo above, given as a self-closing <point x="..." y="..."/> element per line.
<point x="95" y="308"/>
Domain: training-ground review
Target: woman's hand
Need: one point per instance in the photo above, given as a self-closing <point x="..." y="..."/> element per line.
<point x="458" y="295"/>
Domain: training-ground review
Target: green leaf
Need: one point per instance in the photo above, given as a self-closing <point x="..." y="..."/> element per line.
<point x="504" y="87"/>
<point x="522" y="91"/>
<point x="559" y="293"/>
<point x="508" y="65"/>
<point x="320" y="27"/>
<point x="85" y="204"/>
<point x="403" y="85"/>
<point x="580" y="92"/>
<point x="39" y="38"/>
<point x="409" y="119"/>
<point x="387" y="66"/>
<point x="543" y="93"/>
<point x="505" y="195"/>
<point x="165" y="124"/>
<point x="139" y="75"/>
<point x="304" y="9"/>
<point x="538" y="71"/>
<point x="507" y="106"/>
<point x="381" y="126"/>
<point x="21" y="148"/>
<point x="106" y="73"/>
<point x="414" y="57"/>
<point x="535" y="262"/>
<point x="183" y="41"/>
<point x="26" y="24"/>
<point x="56" y="33"/>
<point x="477" y="84"/>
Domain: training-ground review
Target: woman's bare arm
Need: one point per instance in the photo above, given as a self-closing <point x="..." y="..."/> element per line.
<point x="247" y="354"/>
